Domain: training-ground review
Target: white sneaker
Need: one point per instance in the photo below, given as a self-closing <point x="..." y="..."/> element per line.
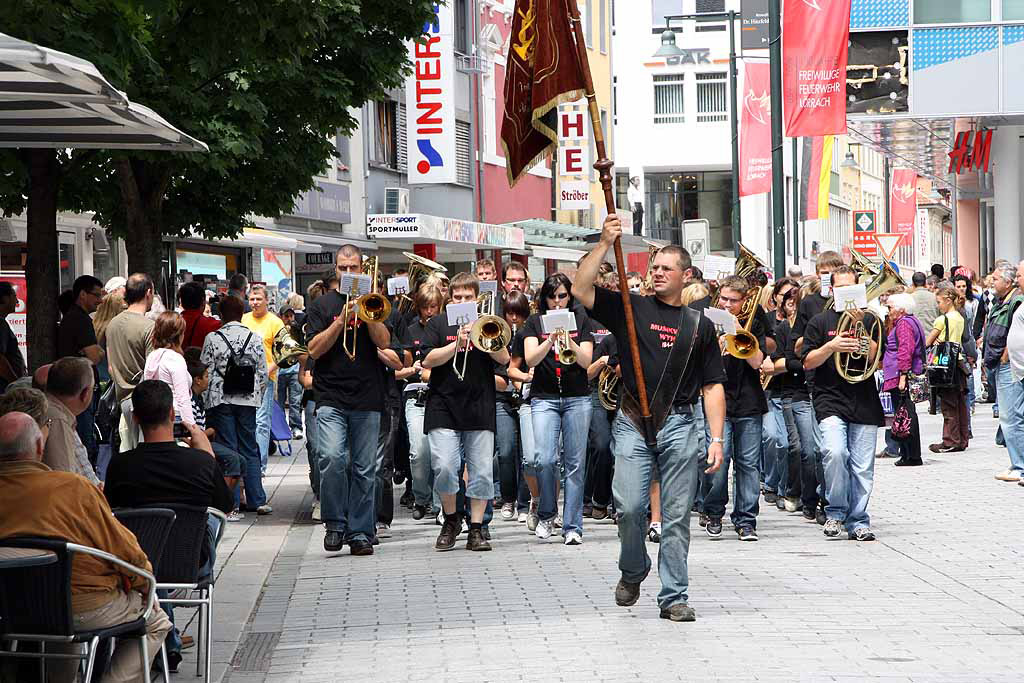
<point x="440" y="517"/>
<point x="792" y="504"/>
<point x="543" y="529"/>
<point x="522" y="517"/>
<point x="531" y="517"/>
<point x="465" y="526"/>
<point x="508" y="512"/>
<point x="573" y="538"/>
<point x="383" y="530"/>
<point x="558" y="521"/>
<point x="316" y="511"/>
<point x="236" y="516"/>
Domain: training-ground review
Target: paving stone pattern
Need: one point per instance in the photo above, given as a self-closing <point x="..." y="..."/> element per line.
<point x="938" y="597"/>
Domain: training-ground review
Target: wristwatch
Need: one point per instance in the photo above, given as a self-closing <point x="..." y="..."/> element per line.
<point x="717" y="439"/>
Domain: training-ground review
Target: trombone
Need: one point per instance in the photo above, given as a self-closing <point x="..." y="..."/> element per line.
<point x="370" y="308"/>
<point x="490" y="333"/>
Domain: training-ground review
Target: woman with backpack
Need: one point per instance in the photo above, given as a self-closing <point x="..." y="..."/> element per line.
<point x="904" y="355"/>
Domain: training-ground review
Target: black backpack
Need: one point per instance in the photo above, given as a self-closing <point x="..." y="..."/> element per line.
<point x="240" y="374"/>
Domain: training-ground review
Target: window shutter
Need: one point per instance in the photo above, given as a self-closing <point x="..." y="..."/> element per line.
<point x="403" y="153"/>
<point x="463" y="152"/>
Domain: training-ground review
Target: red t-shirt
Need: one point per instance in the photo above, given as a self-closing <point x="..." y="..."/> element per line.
<point x="197" y="326"/>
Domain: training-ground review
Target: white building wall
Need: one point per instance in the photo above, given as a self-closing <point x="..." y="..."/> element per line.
<point x="1006" y="162"/>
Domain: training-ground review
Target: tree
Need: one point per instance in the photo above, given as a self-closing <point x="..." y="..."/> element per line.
<point x="265" y="83"/>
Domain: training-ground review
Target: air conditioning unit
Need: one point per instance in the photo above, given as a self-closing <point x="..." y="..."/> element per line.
<point x="396" y="200"/>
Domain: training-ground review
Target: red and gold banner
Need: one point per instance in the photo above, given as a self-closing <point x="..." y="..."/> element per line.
<point x="816" y="177"/>
<point x="542" y="71"/>
<point x="756" y="130"/>
<point x="815" y="42"/>
<point x="903" y="201"/>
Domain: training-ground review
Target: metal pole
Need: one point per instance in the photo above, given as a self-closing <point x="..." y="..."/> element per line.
<point x="778" y="178"/>
<point x="734" y="123"/>
<point x="796" y="202"/>
<point x="954" y="201"/>
<point x="887" y="189"/>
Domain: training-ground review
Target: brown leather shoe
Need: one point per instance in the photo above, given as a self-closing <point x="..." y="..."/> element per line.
<point x="449" y="530"/>
<point x="476" y="541"/>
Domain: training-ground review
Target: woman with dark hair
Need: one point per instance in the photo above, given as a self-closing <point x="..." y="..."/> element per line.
<point x="517" y="310"/>
<point x="779" y="480"/>
<point x="560" y="406"/>
<point x="427" y="302"/>
<point x="974" y="316"/>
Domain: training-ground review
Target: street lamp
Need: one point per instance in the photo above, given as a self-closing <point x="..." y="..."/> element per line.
<point x="669" y="49"/>
<point x="849" y="161"/>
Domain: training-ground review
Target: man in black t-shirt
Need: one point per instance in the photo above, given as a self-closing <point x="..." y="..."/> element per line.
<point x="349" y="394"/>
<point x="460" y="417"/>
<point x="848" y="415"/>
<point x="680" y="442"/>
<point x="745" y="407"/>
<point x="77" y="337"/>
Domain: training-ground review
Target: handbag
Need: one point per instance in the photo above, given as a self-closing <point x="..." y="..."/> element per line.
<point x="918" y="388"/>
<point x="239" y="376"/>
<point x="944" y="362"/>
<point x="901" y="421"/>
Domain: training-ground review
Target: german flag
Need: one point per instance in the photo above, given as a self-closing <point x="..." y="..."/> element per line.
<point x="816" y="172"/>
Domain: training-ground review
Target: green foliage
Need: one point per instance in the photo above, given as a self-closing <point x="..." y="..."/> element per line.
<point x="265" y="83"/>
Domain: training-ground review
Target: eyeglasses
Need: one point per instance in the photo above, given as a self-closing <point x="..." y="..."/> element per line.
<point x="727" y="300"/>
<point x="559" y="297"/>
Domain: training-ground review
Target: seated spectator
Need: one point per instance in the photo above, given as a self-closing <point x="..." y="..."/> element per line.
<point x="39" y="502"/>
<point x="192" y="297"/>
<point x="158" y="470"/>
<point x="233" y="414"/>
<point x="166" y="363"/>
<point x="69" y="387"/>
<point x="229" y="460"/>
<point x="30" y="401"/>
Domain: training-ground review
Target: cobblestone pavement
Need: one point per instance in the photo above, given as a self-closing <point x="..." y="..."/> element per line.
<point x="937" y="598"/>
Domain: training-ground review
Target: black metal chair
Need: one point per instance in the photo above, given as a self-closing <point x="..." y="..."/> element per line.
<point x="179" y="566"/>
<point x="35" y="602"/>
<point x="152" y="527"/>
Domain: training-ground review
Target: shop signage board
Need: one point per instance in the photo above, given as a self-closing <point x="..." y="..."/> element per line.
<point x="422" y="227"/>
<point x="573" y="157"/>
<point x="864" y="228"/>
<point x="326" y="202"/>
<point x="314" y="263"/>
<point x="971" y="156"/>
<point x="430" y="102"/>
<point x="754" y="24"/>
<point x="574" y="195"/>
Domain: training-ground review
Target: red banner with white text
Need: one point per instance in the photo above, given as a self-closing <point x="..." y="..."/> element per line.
<point x="903" y="202"/>
<point x="756" y="131"/>
<point x="815" y="41"/>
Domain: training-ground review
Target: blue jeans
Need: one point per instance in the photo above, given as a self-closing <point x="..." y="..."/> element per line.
<point x="526" y="439"/>
<point x="742" y="447"/>
<point x="311" y="446"/>
<point x="448" y="450"/>
<point x="348" y="466"/>
<point x="505" y="441"/>
<point x="263" y="416"/>
<point x="812" y="477"/>
<point x="848" y="454"/>
<point x="678" y="457"/>
<point x="419" y="457"/>
<point x="1011" y="415"/>
<point x="236" y="429"/>
<point x="568" y="418"/>
<point x="289" y="395"/>
<point x="775" y="447"/>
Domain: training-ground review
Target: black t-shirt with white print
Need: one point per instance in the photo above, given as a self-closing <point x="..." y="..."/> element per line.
<point x="656" y="326"/>
<point x="743" y="394"/>
<point x="832" y="395"/>
<point x="461" y="404"/>
<point x="552" y="379"/>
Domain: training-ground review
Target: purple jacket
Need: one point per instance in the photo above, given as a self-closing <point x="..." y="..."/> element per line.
<point x="904" y="351"/>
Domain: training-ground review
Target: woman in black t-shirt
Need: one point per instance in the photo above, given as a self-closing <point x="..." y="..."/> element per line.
<point x="561" y="407"/>
<point x="516" y="310"/>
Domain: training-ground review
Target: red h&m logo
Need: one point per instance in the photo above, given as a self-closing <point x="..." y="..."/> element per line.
<point x="967" y="157"/>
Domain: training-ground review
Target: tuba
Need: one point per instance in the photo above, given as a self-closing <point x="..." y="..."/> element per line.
<point x="420" y="270"/>
<point x="847" y="364"/>
<point x="866" y="270"/>
<point x="286" y="349"/>
<point x="608" y="388"/>
<point x="652" y="250"/>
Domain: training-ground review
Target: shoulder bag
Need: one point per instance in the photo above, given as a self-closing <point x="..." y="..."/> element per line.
<point x="943" y="362"/>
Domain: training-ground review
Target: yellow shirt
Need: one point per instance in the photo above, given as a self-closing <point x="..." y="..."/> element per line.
<point x="266" y="327"/>
<point x="956" y="326"/>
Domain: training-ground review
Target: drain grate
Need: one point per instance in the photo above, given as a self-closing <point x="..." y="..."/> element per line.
<point x="255" y="652"/>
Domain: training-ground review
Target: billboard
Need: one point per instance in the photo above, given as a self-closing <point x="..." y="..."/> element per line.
<point x="430" y="102"/>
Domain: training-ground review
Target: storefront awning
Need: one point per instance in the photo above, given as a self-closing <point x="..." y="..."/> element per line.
<point x="55" y="100"/>
<point x="259" y="238"/>
<point x="545" y="233"/>
<point x="558" y="254"/>
<point x="418" y="227"/>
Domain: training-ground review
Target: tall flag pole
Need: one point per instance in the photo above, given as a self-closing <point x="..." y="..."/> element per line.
<point x="547" y="65"/>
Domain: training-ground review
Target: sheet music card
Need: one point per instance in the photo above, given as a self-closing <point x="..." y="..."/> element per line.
<point x="724" y="321"/>
<point x="826" y="284"/>
<point x="560" y="319"/>
<point x="362" y="284"/>
<point x="855" y="295"/>
<point x="489" y="286"/>
<point x="398" y="285"/>
<point x="718" y="267"/>
<point x="461" y="314"/>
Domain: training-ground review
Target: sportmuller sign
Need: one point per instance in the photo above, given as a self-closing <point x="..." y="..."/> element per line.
<point x="430" y="102"/>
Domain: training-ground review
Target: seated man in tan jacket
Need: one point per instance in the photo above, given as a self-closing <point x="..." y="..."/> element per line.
<point x="38" y="501"/>
<point x="69" y="389"/>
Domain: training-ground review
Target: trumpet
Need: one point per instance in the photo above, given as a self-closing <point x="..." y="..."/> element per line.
<point x="563" y="349"/>
<point x="608" y="388"/>
<point x="370" y="308"/>
<point x="490" y="333"/>
<point x="744" y="344"/>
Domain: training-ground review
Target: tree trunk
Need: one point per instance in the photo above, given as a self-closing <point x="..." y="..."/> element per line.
<point x="42" y="267"/>
<point x="143" y="187"/>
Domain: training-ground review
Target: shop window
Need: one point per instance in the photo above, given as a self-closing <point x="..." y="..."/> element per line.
<point x="588" y="24"/>
<point x="343" y="160"/>
<point x="1013" y="9"/>
<point x="668" y="98"/>
<point x="952" y="11"/>
<point x="663" y="8"/>
<point x="705" y="6"/>
<point x="462" y="42"/>
<point x="711" y="97"/>
<point x="602" y="24"/>
<point x="463" y="153"/>
<point x="105" y="258"/>
<point x="385" y="148"/>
